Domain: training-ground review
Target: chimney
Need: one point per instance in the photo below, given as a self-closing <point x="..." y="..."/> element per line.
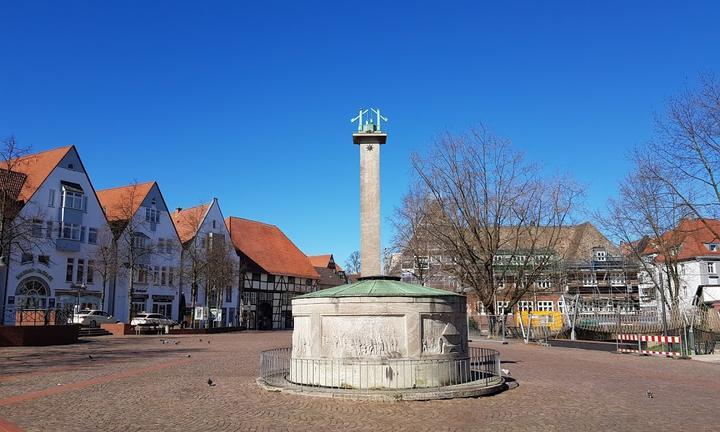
<point x="178" y="209"/>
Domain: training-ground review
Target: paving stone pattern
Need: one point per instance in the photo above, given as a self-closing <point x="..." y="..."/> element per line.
<point x="139" y="384"/>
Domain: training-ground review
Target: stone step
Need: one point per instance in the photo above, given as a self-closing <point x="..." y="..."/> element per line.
<point x="91" y="332"/>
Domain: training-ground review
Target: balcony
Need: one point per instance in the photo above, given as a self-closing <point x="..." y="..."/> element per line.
<point x="67" y="245"/>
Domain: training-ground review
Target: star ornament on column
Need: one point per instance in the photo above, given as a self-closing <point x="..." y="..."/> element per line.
<point x="369" y="147"/>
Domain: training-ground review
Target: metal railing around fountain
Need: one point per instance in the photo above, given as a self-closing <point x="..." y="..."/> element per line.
<point x="277" y="367"/>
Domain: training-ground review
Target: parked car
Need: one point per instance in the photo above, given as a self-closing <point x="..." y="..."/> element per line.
<point x="152" y="319"/>
<point x="91" y="318"/>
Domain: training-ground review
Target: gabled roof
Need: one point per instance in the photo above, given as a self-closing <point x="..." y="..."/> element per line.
<point x="323" y="261"/>
<point x="269" y="248"/>
<point x="689" y="238"/>
<point x="320" y="260"/>
<point x="36" y="168"/>
<point x="188" y="221"/>
<point x="121" y="203"/>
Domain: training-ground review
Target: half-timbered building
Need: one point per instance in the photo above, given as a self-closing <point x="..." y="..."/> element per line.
<point x="273" y="271"/>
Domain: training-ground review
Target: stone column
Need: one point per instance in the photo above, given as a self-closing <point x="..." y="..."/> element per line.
<point x="370" y="253"/>
<point x="370" y="210"/>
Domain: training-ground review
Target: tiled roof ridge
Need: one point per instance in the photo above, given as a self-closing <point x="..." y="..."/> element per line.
<point x="127" y="186"/>
<point x="29" y="155"/>
<point x="253" y="220"/>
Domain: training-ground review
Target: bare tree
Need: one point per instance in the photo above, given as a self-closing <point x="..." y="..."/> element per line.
<point x="419" y="252"/>
<point x="104" y="261"/>
<point x="498" y="218"/>
<point x="352" y="263"/>
<point x="685" y="153"/>
<point x="221" y="270"/>
<point x="133" y="247"/>
<point x="21" y="231"/>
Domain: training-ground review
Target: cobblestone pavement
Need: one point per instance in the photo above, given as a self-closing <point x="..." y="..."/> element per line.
<point x="141" y="384"/>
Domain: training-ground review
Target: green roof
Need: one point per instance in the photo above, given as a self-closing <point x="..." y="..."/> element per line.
<point x="378" y="288"/>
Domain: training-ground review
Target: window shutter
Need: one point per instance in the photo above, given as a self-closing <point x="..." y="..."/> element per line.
<point x="51" y="200"/>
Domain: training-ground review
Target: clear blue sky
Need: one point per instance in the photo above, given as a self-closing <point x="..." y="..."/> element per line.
<point x="250" y="101"/>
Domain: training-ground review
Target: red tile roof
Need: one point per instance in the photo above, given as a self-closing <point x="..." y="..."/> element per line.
<point x="690" y="237"/>
<point x="121" y="203"/>
<point x="270" y="248"/>
<point x="36" y="168"/>
<point x="188" y="221"/>
<point x="320" y="260"/>
<point x="324" y="261"/>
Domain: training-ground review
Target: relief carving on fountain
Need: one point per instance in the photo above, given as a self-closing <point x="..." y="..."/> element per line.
<point x="362" y="336"/>
<point x="441" y="335"/>
<point x="301" y="337"/>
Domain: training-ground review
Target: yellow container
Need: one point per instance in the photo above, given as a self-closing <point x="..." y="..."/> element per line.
<point x="551" y="319"/>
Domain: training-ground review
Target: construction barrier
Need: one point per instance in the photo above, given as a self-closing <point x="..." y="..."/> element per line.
<point x="647" y="338"/>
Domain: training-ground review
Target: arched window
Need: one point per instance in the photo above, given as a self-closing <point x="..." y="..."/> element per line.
<point x="31" y="293"/>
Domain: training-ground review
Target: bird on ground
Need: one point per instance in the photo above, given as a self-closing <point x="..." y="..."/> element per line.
<point x="177" y="342"/>
<point x="506" y="372"/>
<point x="90" y="357"/>
<point x="188" y="355"/>
<point x="200" y="340"/>
<point x="208" y="342"/>
<point x="650" y="394"/>
<point x="210" y="382"/>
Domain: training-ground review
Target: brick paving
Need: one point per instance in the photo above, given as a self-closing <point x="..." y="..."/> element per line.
<point x="140" y="384"/>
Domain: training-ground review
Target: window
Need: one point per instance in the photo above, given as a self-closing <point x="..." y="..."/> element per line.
<point x="544" y="306"/>
<point x="589" y="279"/>
<point x="36" y="229"/>
<point x="291" y="279"/>
<point x="141" y="275"/>
<point x="163" y="275"/>
<point x="256" y="277"/>
<point x="214" y="224"/>
<point x="92" y="235"/>
<point x="544" y="282"/>
<point x="711" y="267"/>
<point x="72" y="199"/>
<point x="155" y="274"/>
<point x="561" y="305"/>
<point x="70" y="231"/>
<point x="138" y="241"/>
<point x="90" y="271"/>
<point x="70" y="270"/>
<point x="600" y="255"/>
<point x="48" y="229"/>
<point x="712" y="247"/>
<point x="44" y="259"/>
<point x="82" y="234"/>
<point x="271" y="279"/>
<point x="161" y="245"/>
<point x="525" y="305"/>
<point x="26" y="258"/>
<point x="152" y="215"/>
<point x="168" y="246"/>
<point x="423" y="262"/>
<point x="228" y="294"/>
<point x="51" y="198"/>
<point x="500" y="307"/>
<point x="80" y="270"/>
<point x="171" y="276"/>
<point x="617" y="278"/>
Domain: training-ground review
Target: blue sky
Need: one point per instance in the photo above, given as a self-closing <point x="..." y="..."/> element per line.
<point x="250" y="101"/>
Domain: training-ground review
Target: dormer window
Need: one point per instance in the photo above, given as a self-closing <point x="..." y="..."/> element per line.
<point x="72" y="196"/>
<point x="712" y="247"/>
<point x="600" y="255"/>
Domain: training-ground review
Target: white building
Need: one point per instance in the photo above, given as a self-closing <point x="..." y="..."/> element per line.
<point x="56" y="270"/>
<point x="139" y="218"/>
<point x="201" y="228"/>
<point x="697" y="260"/>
